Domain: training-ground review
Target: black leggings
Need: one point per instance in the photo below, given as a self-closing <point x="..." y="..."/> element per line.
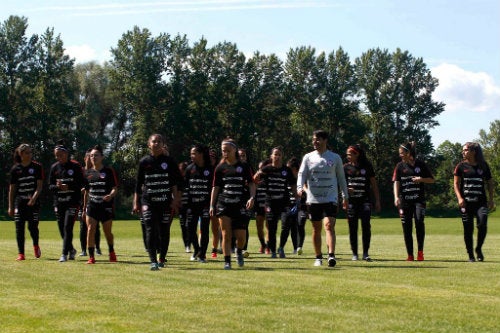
<point x="480" y="212"/>
<point x="157" y="222"/>
<point x="408" y="212"/>
<point x="26" y="214"/>
<point x="194" y="214"/>
<point x="289" y="226"/>
<point x="355" y="212"/>
<point x="66" y="216"/>
<point x="274" y="213"/>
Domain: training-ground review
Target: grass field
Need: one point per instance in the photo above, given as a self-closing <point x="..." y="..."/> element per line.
<point x="445" y="293"/>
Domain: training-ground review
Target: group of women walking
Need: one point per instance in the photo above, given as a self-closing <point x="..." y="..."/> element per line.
<point x="224" y="193"/>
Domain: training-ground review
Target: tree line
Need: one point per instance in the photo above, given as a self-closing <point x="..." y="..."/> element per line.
<point x="196" y="93"/>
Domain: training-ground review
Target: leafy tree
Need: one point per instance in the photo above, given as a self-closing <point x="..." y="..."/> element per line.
<point x="441" y="194"/>
<point x="397" y="96"/>
<point x="490" y="143"/>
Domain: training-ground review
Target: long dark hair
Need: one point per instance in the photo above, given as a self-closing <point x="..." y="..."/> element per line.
<point x="410" y="147"/>
<point x="202" y="149"/>
<point x="362" y="159"/>
<point x="476" y="147"/>
<point x="17" y="153"/>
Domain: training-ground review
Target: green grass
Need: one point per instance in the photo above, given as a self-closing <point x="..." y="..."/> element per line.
<point x="442" y="294"/>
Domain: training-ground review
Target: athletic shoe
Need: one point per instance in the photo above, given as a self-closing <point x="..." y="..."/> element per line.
<point x="112" y="257"/>
<point x="83" y="254"/>
<point x="420" y="256"/>
<point x="472" y="259"/>
<point x="354" y="257"/>
<point x="241" y="261"/>
<point x="63" y="258"/>
<point x="318" y="262"/>
<point x="227" y="265"/>
<point x="268" y="251"/>
<point x="161" y="263"/>
<point x="154" y="266"/>
<point x="367" y="258"/>
<point x="20" y="257"/>
<point x="479" y="254"/>
<point x="188" y="249"/>
<point x="273" y="255"/>
<point x="281" y="252"/>
<point x="202" y="260"/>
<point x="72" y="254"/>
<point x="261" y="249"/>
<point x="332" y="262"/>
<point x="214" y="254"/>
<point x="410" y="258"/>
<point x="299" y="251"/>
<point x="246" y="254"/>
<point x="38" y="252"/>
<point x="98" y="251"/>
<point x="91" y="261"/>
<point x="193" y="258"/>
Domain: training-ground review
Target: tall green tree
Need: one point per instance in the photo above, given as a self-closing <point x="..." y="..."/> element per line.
<point x="137" y="74"/>
<point x="441" y="194"/>
<point x="490" y="143"/>
<point x="396" y="93"/>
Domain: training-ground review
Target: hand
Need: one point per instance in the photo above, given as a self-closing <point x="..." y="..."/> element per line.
<point x="250" y="203"/>
<point x="397" y="202"/>
<point x="11" y="212"/>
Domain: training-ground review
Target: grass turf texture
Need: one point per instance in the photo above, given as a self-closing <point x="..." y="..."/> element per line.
<point x="445" y="293"/>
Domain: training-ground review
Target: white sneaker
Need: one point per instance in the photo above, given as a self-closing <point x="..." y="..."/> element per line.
<point x="188" y="249"/>
<point x="63" y="258"/>
<point x="354" y="258"/>
<point x="299" y="251"/>
<point x="318" y="262"/>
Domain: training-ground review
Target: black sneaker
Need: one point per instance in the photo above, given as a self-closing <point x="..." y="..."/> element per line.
<point x="332" y="262"/>
<point x="479" y="254"/>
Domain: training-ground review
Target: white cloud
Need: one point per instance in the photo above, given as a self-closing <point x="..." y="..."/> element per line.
<point x="81" y="53"/>
<point x="463" y="90"/>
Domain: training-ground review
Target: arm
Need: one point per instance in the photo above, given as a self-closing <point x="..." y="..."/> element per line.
<point x="34" y="197"/>
<point x="456" y="187"/>
<point x="213" y="199"/>
<point x="376" y="193"/>
<point x="489" y="188"/>
<point x="12" y="191"/>
<point x="302" y="177"/>
<point x="395" y="187"/>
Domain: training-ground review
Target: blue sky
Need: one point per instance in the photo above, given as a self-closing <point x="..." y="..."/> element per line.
<point x="458" y="40"/>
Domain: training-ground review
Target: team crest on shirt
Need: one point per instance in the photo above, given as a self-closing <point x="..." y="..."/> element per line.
<point x="206" y="173"/>
<point x="164" y="166"/>
<point x="102" y="175"/>
<point x="239" y="169"/>
<point x="283" y="173"/>
<point x="31" y="171"/>
<point x="329" y="163"/>
<point x="362" y="171"/>
<point x="145" y="208"/>
<point x="479" y="172"/>
<point x="71" y="172"/>
<point x="417" y="170"/>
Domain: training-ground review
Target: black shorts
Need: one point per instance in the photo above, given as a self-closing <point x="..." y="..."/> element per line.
<point x="239" y="216"/>
<point x="100" y="213"/>
<point x="318" y="211"/>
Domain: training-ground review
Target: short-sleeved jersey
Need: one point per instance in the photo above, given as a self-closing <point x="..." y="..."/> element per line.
<point x="199" y="184"/>
<point x="71" y="174"/>
<point x="410" y="191"/>
<point x="277" y="181"/>
<point x="25" y="178"/>
<point x="98" y="184"/>
<point x="155" y="179"/>
<point x="323" y="174"/>
<point x="232" y="180"/>
<point x="358" y="179"/>
<point x="472" y="185"/>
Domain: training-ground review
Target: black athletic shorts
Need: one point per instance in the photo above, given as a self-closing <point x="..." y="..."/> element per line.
<point x="318" y="211"/>
<point x="100" y="213"/>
